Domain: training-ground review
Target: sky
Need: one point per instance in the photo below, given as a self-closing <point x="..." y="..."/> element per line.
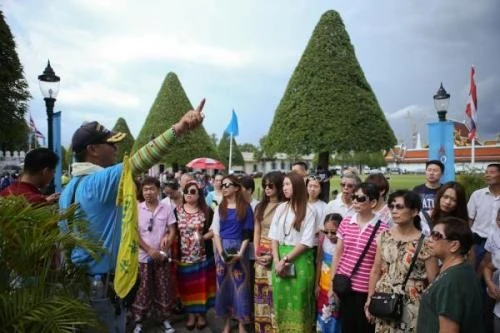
<point x="113" y="55"/>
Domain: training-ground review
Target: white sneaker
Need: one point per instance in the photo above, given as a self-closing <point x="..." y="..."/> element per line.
<point x="138" y="328"/>
<point x="167" y="327"/>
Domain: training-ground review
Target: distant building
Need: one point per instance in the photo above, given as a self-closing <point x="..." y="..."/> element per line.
<point x="279" y="162"/>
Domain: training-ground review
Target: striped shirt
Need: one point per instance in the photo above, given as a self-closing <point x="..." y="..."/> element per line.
<point x="354" y="242"/>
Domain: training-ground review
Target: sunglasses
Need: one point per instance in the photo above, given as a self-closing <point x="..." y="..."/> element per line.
<point x="191" y="191"/>
<point x="269" y="185"/>
<point x="347" y="185"/>
<point x="333" y="233"/>
<point x="437" y="236"/>
<point x="359" y="198"/>
<point x="150" y="226"/>
<point x="397" y="206"/>
<point x="227" y="185"/>
<point x="316" y="178"/>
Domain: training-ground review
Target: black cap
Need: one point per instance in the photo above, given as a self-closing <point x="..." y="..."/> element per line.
<point x="93" y="133"/>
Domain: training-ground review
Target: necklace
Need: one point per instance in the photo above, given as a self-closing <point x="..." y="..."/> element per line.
<point x="284" y="223"/>
<point x="451" y="263"/>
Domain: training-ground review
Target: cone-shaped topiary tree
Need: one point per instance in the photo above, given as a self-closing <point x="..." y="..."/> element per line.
<point x="223" y="148"/>
<point x="14" y="94"/>
<point x="328" y="105"/>
<point x="126" y="145"/>
<point x="170" y="105"/>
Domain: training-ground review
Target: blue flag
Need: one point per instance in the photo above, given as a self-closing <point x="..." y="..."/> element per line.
<point x="232" y="128"/>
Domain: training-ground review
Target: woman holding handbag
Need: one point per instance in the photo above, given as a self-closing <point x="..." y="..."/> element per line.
<point x="402" y="266"/>
<point x="233" y="227"/>
<point x="354" y="257"/>
<point x="292" y="233"/>
<point x="272" y="183"/>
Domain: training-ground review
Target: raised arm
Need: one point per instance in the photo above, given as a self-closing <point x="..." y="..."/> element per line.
<point x="156" y="149"/>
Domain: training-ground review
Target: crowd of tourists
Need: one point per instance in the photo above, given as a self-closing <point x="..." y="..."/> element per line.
<point x="374" y="259"/>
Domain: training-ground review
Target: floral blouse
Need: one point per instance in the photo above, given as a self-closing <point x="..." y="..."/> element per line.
<point x="191" y="226"/>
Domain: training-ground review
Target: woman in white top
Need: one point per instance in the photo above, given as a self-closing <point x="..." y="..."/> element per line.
<point x="292" y="233"/>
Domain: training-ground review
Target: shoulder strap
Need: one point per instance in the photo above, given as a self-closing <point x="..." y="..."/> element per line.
<point x="413" y="260"/>
<point x="427" y="218"/>
<point x="365" y="250"/>
<point x="73" y="196"/>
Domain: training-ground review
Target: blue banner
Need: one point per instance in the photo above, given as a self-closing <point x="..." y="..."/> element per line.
<point x="441" y="147"/>
<point x="56" y="132"/>
<point x="232" y="128"/>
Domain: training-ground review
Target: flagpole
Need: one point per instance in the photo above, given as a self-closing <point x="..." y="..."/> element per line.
<point x="473" y="153"/>
<point x="230" y="151"/>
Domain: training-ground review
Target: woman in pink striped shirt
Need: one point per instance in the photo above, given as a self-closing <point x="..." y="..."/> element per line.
<point x="353" y="235"/>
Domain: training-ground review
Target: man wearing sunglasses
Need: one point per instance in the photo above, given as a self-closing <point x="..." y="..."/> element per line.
<point x="95" y="186"/>
<point x="342" y="205"/>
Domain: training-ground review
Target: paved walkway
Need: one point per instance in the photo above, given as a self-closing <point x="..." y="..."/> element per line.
<point x="179" y="323"/>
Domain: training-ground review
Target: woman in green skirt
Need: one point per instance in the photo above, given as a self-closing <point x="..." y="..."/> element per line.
<point x="292" y="234"/>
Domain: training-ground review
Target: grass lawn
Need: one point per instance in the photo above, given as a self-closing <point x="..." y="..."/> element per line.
<point x="396" y="182"/>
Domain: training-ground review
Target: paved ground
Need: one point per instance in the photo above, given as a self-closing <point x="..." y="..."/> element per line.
<point x="179" y="323"/>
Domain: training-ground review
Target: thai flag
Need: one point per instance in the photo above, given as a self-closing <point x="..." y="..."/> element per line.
<point x="471" y="108"/>
<point x="33" y="129"/>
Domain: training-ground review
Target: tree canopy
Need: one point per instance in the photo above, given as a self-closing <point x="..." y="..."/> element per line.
<point x="237" y="157"/>
<point x="14" y="93"/>
<point x="126" y="145"/>
<point x="328" y="105"/>
<point x="170" y="105"/>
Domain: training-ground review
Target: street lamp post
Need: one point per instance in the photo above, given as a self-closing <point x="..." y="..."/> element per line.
<point x="441" y="102"/>
<point x="49" y="86"/>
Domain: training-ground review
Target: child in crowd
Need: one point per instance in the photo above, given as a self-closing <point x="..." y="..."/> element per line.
<point x="326" y="308"/>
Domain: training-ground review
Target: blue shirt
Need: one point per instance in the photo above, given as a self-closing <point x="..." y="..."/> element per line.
<point x="96" y="193"/>
<point x="231" y="228"/>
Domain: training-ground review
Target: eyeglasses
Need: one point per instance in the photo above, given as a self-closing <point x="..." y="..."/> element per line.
<point x="227" y="185"/>
<point x="191" y="191"/>
<point x="437" y="236"/>
<point x="150" y="226"/>
<point x="347" y="185"/>
<point x="333" y="233"/>
<point x="397" y="206"/>
<point x="359" y="198"/>
<point x="269" y="185"/>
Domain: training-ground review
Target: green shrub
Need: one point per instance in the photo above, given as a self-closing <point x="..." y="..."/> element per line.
<point x="471" y="181"/>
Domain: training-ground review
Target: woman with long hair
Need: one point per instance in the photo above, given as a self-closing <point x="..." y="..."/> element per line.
<point x="450" y="200"/>
<point x="395" y="251"/>
<point x="272" y="183"/>
<point x="292" y="233"/>
<point x="233" y="227"/>
<point x="196" y="269"/>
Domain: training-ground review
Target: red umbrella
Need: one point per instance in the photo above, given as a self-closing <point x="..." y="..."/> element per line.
<point x="205" y="163"/>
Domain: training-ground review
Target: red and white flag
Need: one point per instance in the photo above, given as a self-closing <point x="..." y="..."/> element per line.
<point x="33" y="129"/>
<point x="471" y="108"/>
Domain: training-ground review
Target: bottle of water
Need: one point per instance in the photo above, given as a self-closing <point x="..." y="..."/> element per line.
<point x="97" y="290"/>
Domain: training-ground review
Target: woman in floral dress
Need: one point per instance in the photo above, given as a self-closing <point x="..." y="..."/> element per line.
<point x="196" y="269"/>
<point x="272" y="183"/>
<point x="395" y="251"/>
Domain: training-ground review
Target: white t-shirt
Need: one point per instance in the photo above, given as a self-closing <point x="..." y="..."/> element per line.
<point x="492" y="245"/>
<point x="338" y="206"/>
<point x="320" y="213"/>
<point x="483" y="208"/>
<point x="282" y="229"/>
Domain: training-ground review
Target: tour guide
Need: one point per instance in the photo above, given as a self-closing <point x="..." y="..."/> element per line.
<point x="95" y="186"/>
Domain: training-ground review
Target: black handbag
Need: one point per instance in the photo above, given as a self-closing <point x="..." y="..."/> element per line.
<point x="389" y="306"/>
<point x="341" y="283"/>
